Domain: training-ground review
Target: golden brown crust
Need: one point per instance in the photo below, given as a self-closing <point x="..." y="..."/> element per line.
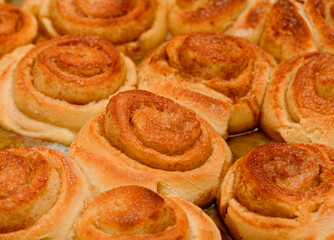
<point x="321" y="13"/>
<point x="287" y="32"/>
<point x="284" y="28"/>
<point x="280" y="191"/>
<point x="198" y="16"/>
<point x="72" y="76"/>
<point x="134" y="26"/>
<point x="134" y="212"/>
<point x="42" y="194"/>
<point x="175" y="172"/>
<point x="250" y="23"/>
<point x="298" y="106"/>
<point x="213" y="74"/>
<point x="18" y="27"/>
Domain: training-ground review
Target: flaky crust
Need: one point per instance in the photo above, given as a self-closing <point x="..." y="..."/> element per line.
<point x="287" y="32"/>
<point x="134" y="26"/>
<point x="221" y="77"/>
<point x="299" y="104"/>
<point x="133" y="212"/>
<point x="284" y="28"/>
<point x="321" y="13"/>
<point x="250" y="22"/>
<point x="280" y="191"/>
<point x="198" y="16"/>
<point x="18" y="27"/>
<point x="42" y="194"/>
<point x="243" y="18"/>
<point x="50" y="91"/>
<point x="179" y="154"/>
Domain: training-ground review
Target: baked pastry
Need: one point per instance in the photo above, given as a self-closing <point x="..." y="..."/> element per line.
<point x="280" y="191"/>
<point x="42" y="193"/>
<point x="284" y="28"/>
<point x="321" y="14"/>
<point x="215" y="15"/>
<point x="287" y="32"/>
<point x="148" y="140"/>
<point x="17" y="27"/>
<point x="50" y="91"/>
<point x="133" y="212"/>
<point x="222" y="78"/>
<point x="134" y="26"/>
<point x="299" y="104"/>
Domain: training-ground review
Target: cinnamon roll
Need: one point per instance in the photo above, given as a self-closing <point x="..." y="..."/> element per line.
<point x="221" y="77"/>
<point x="287" y="32"/>
<point x="215" y="15"/>
<point x="50" y="91"/>
<point x="283" y="28"/>
<point x="17" y="27"/>
<point x="280" y="191"/>
<point x="134" y="26"/>
<point x="299" y="104"/>
<point x="133" y="212"/>
<point x="42" y="193"/>
<point x="148" y="140"/>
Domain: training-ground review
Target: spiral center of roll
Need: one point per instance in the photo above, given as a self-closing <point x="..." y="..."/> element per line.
<point x="9" y="23"/>
<point x="78" y="60"/>
<point x="75" y="69"/>
<point x="104" y="8"/>
<point x="274" y="179"/>
<point x="324" y="80"/>
<point x="312" y="88"/>
<point x="212" y="56"/>
<point x="168" y="131"/>
<point x="134" y="210"/>
<point x="28" y="188"/>
<point x="84" y="62"/>
<point x="292" y="173"/>
<point x="156" y="132"/>
<point x="15" y="174"/>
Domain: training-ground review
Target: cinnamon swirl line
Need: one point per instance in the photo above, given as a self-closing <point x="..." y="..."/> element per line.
<point x="280" y="191"/>
<point x="134" y="26"/>
<point x="51" y="90"/>
<point x="147" y="140"/>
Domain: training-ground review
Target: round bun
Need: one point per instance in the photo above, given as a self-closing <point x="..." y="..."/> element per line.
<point x="242" y="17"/>
<point x="148" y="140"/>
<point x="221" y="77"/>
<point x="133" y="212"/>
<point x="283" y="28"/>
<point x="280" y="191"/>
<point x="17" y="27"/>
<point x="134" y="26"/>
<point x="299" y="104"/>
<point x="42" y="194"/>
<point x="50" y="91"/>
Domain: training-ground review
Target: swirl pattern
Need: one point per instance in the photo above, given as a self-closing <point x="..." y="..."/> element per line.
<point x="17" y="27"/>
<point x="42" y="191"/>
<point x="220" y="77"/>
<point x="299" y="103"/>
<point x="212" y="15"/>
<point x="289" y="186"/>
<point x="135" y="26"/>
<point x="133" y="212"/>
<point x="284" y="28"/>
<point x="71" y="76"/>
<point x="164" y="146"/>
